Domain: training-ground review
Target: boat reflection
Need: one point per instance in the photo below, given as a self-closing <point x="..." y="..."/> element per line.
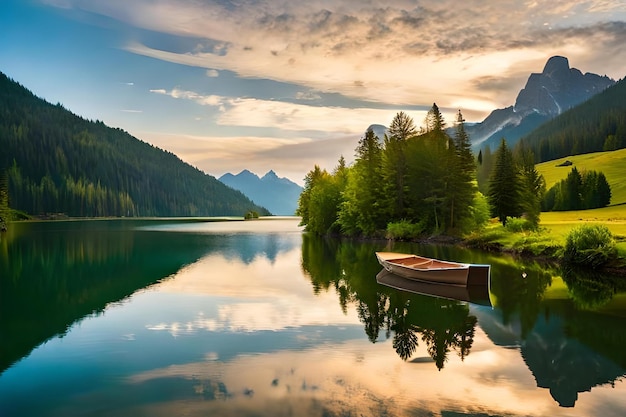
<point x="476" y="294"/>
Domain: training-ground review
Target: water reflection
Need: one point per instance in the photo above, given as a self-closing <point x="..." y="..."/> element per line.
<point x="568" y="343"/>
<point x="294" y="326"/>
<point x="592" y="289"/>
<point x="53" y="274"/>
<point x="443" y="325"/>
<point x="475" y="294"/>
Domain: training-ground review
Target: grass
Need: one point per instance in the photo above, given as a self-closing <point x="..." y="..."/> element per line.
<point x="559" y="224"/>
<point x="556" y="225"/>
<point x="554" y="228"/>
<point x="611" y="164"/>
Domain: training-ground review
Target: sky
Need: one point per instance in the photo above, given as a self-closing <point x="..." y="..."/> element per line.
<point x="285" y="85"/>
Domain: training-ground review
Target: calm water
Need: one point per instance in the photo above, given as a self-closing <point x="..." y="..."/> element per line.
<point x="159" y="318"/>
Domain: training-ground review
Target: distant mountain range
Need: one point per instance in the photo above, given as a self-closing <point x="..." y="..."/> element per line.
<point x="278" y="195"/>
<point x="546" y="95"/>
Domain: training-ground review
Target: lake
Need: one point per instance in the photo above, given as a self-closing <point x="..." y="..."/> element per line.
<point x="171" y="317"/>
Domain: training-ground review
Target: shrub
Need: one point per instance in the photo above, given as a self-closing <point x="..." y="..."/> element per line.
<point x="404" y="229"/>
<point x="251" y="215"/>
<point x="519" y="224"/>
<point x="589" y="245"/>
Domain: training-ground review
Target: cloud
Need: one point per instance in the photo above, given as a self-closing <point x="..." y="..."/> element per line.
<point x="281" y="115"/>
<point x="291" y="158"/>
<point x="211" y="73"/>
<point x="399" y="52"/>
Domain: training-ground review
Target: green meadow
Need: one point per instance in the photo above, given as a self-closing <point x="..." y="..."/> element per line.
<point x="612" y="164"/>
<point x="554" y="226"/>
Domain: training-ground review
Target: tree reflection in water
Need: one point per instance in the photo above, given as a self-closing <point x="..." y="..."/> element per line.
<point x="443" y="325"/>
<point x="591" y="289"/>
<point x="570" y="340"/>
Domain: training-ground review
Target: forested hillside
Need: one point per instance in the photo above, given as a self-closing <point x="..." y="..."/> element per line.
<point x="57" y="162"/>
<point x="598" y="124"/>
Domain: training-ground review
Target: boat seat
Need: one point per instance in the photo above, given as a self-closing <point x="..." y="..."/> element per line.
<point x="422" y="263"/>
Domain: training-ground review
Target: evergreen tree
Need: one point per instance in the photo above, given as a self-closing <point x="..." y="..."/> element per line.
<point x="603" y="191"/>
<point x="571" y="196"/>
<point x="462" y="181"/>
<point x="428" y="162"/>
<point x="394" y="163"/>
<point x="484" y="169"/>
<point x="504" y="188"/>
<point x="361" y="212"/>
<point x="321" y="199"/>
<point x="532" y="183"/>
<point x="310" y="180"/>
<point x="59" y="162"/>
<point x="402" y="127"/>
<point x="434" y="120"/>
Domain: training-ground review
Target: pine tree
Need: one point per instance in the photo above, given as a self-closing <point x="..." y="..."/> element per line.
<point x="504" y="188"/>
<point x="603" y="191"/>
<point x="394" y="162"/>
<point x="532" y="183"/>
<point x="434" y="120"/>
<point x="361" y="212"/>
<point x="462" y="184"/>
<point x="310" y="180"/>
<point x="483" y="170"/>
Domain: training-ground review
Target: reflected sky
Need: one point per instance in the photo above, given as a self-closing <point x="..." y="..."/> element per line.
<point x="260" y="296"/>
<point x="250" y="337"/>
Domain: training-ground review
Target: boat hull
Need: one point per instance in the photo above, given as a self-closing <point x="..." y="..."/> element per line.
<point x="433" y="270"/>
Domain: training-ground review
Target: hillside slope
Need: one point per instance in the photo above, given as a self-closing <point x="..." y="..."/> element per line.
<point x="612" y="164"/>
<point x="57" y="162"/>
<point x="598" y="124"/>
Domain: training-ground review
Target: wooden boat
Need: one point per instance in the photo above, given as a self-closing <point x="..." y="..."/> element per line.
<point x="434" y="270"/>
<point x="475" y="294"/>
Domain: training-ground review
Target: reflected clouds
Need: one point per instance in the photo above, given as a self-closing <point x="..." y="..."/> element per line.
<point x="325" y="378"/>
<point x="284" y="300"/>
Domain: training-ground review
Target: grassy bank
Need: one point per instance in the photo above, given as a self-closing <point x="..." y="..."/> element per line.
<point x="554" y="228"/>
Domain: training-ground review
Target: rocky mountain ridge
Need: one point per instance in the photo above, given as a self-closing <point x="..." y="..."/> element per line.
<point x="546" y="95"/>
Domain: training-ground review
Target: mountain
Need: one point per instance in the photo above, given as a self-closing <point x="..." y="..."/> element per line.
<point x="598" y="124"/>
<point x="278" y="195"/>
<point x="546" y="95"/>
<point x="57" y="162"/>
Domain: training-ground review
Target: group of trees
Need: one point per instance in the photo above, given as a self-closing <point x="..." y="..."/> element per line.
<point x="423" y="178"/>
<point x="424" y="181"/>
<point x="578" y="191"/>
<point x="515" y="186"/>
